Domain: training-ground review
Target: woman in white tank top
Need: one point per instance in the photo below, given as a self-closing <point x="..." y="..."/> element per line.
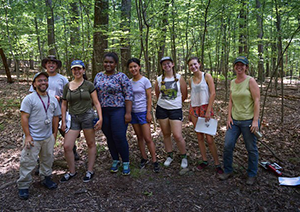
<point x="202" y="99"/>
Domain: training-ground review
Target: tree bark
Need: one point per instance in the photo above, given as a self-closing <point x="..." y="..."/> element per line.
<point x="243" y="50"/>
<point x="100" y="35"/>
<point x="125" y="39"/>
<point x="50" y="27"/>
<point x="260" y="44"/>
<point x="4" y="61"/>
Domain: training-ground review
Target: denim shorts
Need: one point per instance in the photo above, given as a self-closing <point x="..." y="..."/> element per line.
<point x="174" y="114"/>
<point x="139" y="118"/>
<point x="82" y="121"/>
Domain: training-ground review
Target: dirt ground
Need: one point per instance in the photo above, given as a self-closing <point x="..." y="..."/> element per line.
<point x="169" y="190"/>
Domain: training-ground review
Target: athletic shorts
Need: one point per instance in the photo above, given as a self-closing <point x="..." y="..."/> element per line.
<point x="174" y="114"/>
<point x="139" y="118"/>
<point x="82" y="121"/>
<point x="200" y="111"/>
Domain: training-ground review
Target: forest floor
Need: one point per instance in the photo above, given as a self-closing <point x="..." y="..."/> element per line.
<point x="169" y="190"/>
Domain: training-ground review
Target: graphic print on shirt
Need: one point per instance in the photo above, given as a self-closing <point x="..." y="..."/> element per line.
<point x="169" y="90"/>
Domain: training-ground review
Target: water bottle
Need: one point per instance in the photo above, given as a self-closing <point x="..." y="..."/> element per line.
<point x="95" y="117"/>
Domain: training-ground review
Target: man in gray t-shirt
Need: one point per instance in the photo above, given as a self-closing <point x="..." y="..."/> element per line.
<point x="39" y="119"/>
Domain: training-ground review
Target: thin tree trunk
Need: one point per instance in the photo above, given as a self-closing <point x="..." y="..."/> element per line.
<point x="50" y="27"/>
<point x="204" y="33"/>
<point x="4" y="61"/>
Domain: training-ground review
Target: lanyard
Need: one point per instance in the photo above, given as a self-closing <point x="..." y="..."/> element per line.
<point x="48" y="104"/>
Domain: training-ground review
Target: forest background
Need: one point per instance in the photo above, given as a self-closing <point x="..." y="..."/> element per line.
<point x="266" y="31"/>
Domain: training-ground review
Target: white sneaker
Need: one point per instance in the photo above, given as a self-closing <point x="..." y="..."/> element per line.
<point x="168" y="161"/>
<point x="184" y="163"/>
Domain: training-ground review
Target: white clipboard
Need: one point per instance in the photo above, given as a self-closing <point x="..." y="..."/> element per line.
<point x="209" y="127"/>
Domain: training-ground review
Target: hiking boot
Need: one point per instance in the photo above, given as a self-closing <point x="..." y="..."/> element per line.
<point x="251" y="180"/>
<point x="156" y="167"/>
<point x="143" y="163"/>
<point x="88" y="176"/>
<point x="126" y="168"/>
<point x="184" y="163"/>
<point x="23" y="194"/>
<point x="168" y="161"/>
<point x="225" y="176"/>
<point x="115" y="166"/>
<point x="219" y="170"/>
<point x="67" y="177"/>
<point x="48" y="183"/>
<point x="202" y="165"/>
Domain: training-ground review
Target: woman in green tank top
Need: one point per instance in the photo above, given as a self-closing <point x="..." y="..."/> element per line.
<point x="243" y="111"/>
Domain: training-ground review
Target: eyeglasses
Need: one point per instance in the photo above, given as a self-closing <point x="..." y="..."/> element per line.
<point x="42" y="80"/>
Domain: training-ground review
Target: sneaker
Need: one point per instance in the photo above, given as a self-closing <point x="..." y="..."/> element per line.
<point x="115" y="166"/>
<point x="88" y="176"/>
<point x="251" y="180"/>
<point x="184" y="163"/>
<point x="67" y="177"/>
<point x="225" y="176"/>
<point x="168" y="161"/>
<point x="48" y="183"/>
<point x="126" y="168"/>
<point x="202" y="165"/>
<point x="23" y="194"/>
<point x="143" y="163"/>
<point x="156" y="167"/>
<point x="219" y="170"/>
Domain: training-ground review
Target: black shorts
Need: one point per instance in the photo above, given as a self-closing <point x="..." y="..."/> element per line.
<point x="175" y="114"/>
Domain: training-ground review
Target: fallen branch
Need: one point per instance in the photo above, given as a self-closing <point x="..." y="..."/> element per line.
<point x="7" y="184"/>
<point x="264" y="143"/>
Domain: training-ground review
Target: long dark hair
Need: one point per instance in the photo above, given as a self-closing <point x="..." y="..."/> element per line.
<point x="163" y="73"/>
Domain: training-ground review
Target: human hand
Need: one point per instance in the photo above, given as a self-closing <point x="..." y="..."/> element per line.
<point x="98" y="125"/>
<point x="207" y="116"/>
<point x="28" y="143"/>
<point x="229" y="123"/>
<point x="254" y="126"/>
<point x="127" y="118"/>
<point x="149" y="117"/>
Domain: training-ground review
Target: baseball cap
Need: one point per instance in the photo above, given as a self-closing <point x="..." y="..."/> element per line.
<point x="77" y="63"/>
<point x="165" y="58"/>
<point x="241" y="59"/>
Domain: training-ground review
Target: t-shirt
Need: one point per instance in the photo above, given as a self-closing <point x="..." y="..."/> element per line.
<point x="32" y="105"/>
<point x="55" y="85"/>
<point x="170" y="93"/>
<point x="199" y="92"/>
<point x="242" y="102"/>
<point x="139" y="94"/>
<point x="113" y="89"/>
<point x="79" y="100"/>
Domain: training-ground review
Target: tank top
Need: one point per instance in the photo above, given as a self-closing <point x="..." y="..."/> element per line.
<point x="199" y="92"/>
<point x="242" y="102"/>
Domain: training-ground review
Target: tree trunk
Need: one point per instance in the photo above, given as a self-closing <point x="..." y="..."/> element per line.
<point x="4" y="61"/>
<point x="260" y="44"/>
<point x="75" y="52"/>
<point x="50" y="27"/>
<point x="125" y="39"/>
<point x="100" y="36"/>
<point x="243" y="50"/>
<point x="203" y="35"/>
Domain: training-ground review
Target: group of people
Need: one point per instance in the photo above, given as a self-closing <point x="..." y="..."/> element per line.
<point x="119" y="101"/>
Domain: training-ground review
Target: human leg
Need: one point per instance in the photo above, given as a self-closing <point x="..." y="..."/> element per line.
<point x="147" y="137"/>
<point x="69" y="142"/>
<point x="89" y="135"/>
<point x="250" y="141"/>
<point x="166" y="131"/>
<point x="141" y="142"/>
<point x="231" y="137"/>
<point x="176" y="128"/>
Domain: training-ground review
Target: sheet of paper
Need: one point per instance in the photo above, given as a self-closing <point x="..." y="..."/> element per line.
<point x="209" y="127"/>
<point x="289" y="181"/>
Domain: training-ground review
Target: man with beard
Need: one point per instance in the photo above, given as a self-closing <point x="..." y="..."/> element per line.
<point x="56" y="83"/>
<point x="39" y="119"/>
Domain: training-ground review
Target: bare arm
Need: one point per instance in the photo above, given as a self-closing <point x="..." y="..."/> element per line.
<point x="156" y="87"/>
<point x="64" y="106"/>
<point x="128" y="105"/>
<point x="229" y="118"/>
<point x="25" y="126"/>
<point x="254" y="89"/>
<point x="149" y="105"/>
<point x="97" y="105"/>
<point x="212" y="96"/>
<point x="55" y="121"/>
<point x="183" y="88"/>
